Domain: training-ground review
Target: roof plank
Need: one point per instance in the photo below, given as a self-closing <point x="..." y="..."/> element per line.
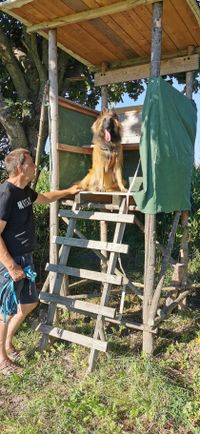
<point x="176" y="27"/>
<point x="188" y="19"/>
<point x="114" y="23"/>
<point x="90" y="14"/>
<point x="116" y="37"/>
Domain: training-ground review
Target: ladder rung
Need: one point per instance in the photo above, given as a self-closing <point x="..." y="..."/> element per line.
<point x="78" y="304"/>
<point x="92" y="244"/>
<point x="85" y="274"/>
<point x="100" y="216"/>
<point x="72" y="337"/>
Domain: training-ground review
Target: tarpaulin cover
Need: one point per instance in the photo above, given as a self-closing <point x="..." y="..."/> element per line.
<point x="169" y="122"/>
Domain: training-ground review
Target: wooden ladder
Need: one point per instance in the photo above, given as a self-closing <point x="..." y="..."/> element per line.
<point x="97" y="342"/>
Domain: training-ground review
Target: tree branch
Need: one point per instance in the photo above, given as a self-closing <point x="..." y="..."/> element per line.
<point x="166" y="257"/>
<point x="13" y="67"/>
<point x="30" y="42"/>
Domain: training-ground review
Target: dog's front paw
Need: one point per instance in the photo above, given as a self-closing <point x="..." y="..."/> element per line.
<point x="123" y="189"/>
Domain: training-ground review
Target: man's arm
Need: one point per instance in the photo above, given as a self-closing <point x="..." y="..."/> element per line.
<point x="52" y="196"/>
<point x="14" y="269"/>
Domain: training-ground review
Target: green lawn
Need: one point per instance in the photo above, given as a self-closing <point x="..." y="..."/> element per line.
<point x="126" y="393"/>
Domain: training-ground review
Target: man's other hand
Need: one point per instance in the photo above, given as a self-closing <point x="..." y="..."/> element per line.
<point x="16" y="273"/>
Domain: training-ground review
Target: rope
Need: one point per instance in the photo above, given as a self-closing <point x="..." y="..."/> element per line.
<point x="8" y="294"/>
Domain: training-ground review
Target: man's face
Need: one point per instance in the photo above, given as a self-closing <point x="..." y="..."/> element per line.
<point x="28" y="168"/>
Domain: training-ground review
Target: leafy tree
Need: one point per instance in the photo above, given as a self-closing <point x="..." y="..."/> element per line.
<point x="23" y="75"/>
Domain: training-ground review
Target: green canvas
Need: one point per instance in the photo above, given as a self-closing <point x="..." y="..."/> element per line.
<point x="168" y="133"/>
<point x="74" y="129"/>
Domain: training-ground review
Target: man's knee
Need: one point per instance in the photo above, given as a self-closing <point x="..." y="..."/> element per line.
<point x="25" y="309"/>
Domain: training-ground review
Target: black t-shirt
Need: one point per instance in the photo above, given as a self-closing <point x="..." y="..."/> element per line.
<point x="16" y="209"/>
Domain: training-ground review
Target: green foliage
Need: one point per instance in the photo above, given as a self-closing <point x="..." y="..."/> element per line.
<point x="3" y="176"/>
<point x="195" y="214"/>
<point x="18" y="109"/>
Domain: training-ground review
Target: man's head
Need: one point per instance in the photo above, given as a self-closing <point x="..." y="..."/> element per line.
<point x="19" y="162"/>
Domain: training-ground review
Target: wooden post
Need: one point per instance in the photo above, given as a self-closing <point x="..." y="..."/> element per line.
<point x="53" y="135"/>
<point x="104" y="97"/>
<point x="185" y="214"/>
<point x="150" y="220"/>
<point x="189" y="77"/>
<point x="40" y="141"/>
<point x="103" y="224"/>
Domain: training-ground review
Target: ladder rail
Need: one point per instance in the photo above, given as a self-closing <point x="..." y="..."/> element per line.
<point x="65" y="250"/>
<point x="118" y="235"/>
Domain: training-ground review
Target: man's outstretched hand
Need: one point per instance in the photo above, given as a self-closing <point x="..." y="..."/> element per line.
<point x="74" y="189"/>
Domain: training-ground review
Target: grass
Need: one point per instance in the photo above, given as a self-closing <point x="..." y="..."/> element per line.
<point x="126" y="393"/>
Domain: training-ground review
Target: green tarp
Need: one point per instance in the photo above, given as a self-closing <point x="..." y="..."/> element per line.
<point x="74" y="129"/>
<point x="168" y="133"/>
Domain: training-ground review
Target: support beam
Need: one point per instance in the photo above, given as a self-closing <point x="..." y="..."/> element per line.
<point x="135" y="72"/>
<point x="90" y="14"/>
<point x="195" y="8"/>
<point x="14" y="4"/>
<point x="54" y="156"/>
<point x="136" y="61"/>
<point x="150" y="220"/>
<point x="104" y="224"/>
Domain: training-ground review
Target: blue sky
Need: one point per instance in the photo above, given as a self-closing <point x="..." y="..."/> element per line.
<point x="128" y="102"/>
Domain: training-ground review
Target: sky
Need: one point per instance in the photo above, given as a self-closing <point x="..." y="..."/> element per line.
<point x="196" y="97"/>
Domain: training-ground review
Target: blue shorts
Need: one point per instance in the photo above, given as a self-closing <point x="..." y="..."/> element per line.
<point x="25" y="290"/>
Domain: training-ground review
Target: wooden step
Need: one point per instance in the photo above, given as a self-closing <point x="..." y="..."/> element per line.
<point x="100" y="216"/>
<point x="92" y="244"/>
<point x="112" y="197"/>
<point x="76" y="338"/>
<point x="85" y="274"/>
<point x="78" y="305"/>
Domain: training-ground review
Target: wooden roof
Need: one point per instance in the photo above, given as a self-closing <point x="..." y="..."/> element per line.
<point x="114" y="32"/>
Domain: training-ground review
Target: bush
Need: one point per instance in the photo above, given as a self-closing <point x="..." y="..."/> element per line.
<point x="195" y="212"/>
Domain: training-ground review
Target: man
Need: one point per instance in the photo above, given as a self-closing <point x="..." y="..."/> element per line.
<point x="16" y="244"/>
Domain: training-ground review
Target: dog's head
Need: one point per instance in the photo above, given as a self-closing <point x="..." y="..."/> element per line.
<point x="108" y="127"/>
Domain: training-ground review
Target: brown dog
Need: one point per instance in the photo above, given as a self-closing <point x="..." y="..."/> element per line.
<point x="107" y="158"/>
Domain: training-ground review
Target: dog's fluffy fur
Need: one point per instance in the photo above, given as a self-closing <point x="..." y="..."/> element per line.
<point x="107" y="158"/>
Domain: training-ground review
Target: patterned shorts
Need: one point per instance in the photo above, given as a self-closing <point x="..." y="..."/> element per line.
<point x="25" y="290"/>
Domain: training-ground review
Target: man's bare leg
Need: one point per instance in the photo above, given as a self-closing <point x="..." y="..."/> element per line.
<point x="3" y="334"/>
<point x="16" y="321"/>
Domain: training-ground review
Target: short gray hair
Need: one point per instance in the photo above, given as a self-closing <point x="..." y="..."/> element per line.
<point x="15" y="158"/>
